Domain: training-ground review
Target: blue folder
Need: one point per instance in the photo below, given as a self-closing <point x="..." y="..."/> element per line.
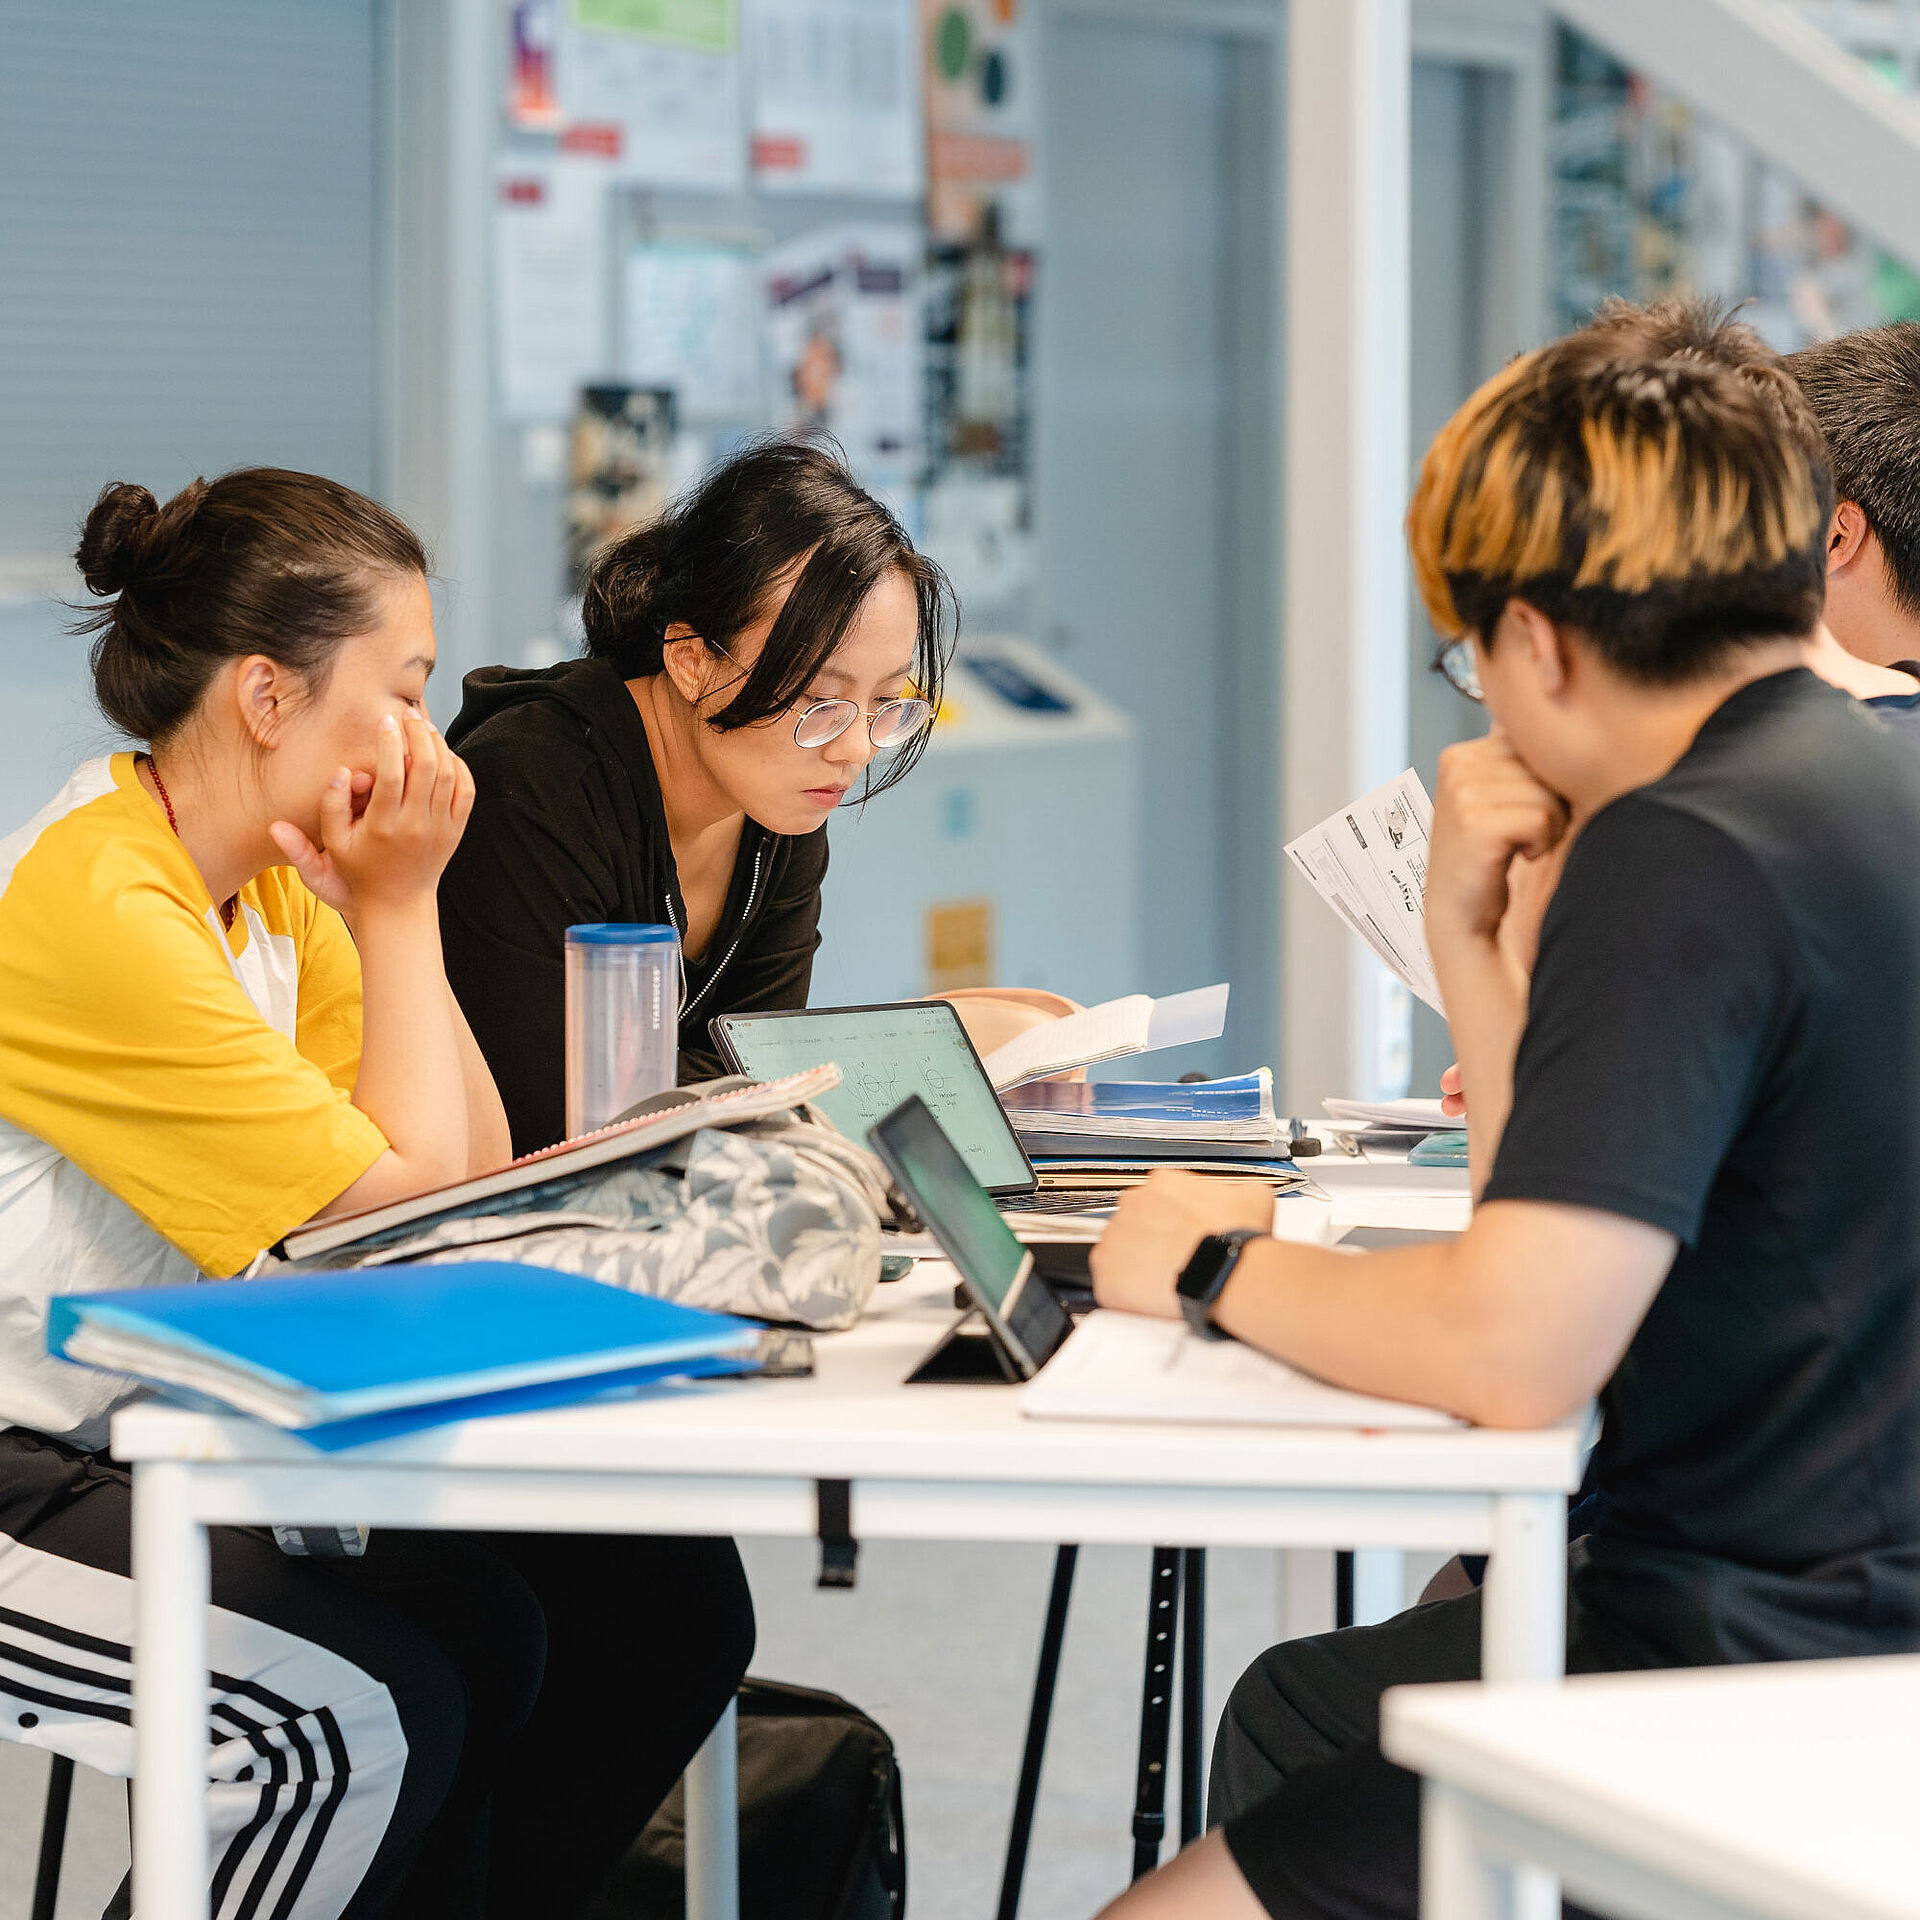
<point x="350" y="1356"/>
<point x="333" y="1435"/>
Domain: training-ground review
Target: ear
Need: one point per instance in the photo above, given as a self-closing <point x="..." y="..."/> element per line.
<point x="1525" y="628"/>
<point x="687" y="662"/>
<point x="261" y="690"/>
<point x="1847" y="536"/>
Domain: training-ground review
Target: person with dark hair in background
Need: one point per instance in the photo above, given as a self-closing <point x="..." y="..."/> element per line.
<point x="749" y="656"/>
<point x="1864" y="390"/>
<point x="223" y="1013"/>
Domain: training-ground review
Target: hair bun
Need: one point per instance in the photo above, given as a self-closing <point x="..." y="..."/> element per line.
<point x="114" y="539"/>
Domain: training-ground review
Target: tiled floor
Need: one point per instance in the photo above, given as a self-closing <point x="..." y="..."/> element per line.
<point x="938" y="1644"/>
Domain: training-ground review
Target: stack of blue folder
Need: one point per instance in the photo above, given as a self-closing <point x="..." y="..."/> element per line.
<point x="342" y="1358"/>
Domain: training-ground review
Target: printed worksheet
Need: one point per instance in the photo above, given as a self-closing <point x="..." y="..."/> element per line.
<point x="1369" y="863"/>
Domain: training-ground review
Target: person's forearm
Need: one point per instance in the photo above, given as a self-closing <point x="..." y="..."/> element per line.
<point x="1514" y="1324"/>
<point x="1486" y="1005"/>
<point x="412" y="1084"/>
<point x="1434" y="1325"/>
<point x="1412" y="1339"/>
<point x="489" y="1140"/>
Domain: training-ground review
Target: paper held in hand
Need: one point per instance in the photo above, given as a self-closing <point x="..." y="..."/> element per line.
<point x="1369" y="863"/>
<point x="1136" y="1024"/>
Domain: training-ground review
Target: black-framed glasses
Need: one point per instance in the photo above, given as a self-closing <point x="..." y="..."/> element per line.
<point x="1456" y="661"/>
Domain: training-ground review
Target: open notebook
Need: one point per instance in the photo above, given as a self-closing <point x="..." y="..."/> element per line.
<point x="1137" y="1023"/>
<point x="1124" y="1366"/>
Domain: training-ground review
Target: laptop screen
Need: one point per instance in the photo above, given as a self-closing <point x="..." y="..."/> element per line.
<point x="884" y="1054"/>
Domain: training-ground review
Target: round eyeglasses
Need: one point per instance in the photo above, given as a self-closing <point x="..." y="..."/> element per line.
<point x="889" y="726"/>
<point x="1456" y="661"/>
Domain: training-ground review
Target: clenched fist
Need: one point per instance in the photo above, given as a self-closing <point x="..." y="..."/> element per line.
<point x="1155" y="1229"/>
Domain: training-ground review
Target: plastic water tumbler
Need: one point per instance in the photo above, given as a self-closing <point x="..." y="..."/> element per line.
<point x="623" y="1019"/>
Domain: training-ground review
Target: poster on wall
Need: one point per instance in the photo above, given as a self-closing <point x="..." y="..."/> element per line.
<point x="708" y="26"/>
<point x="532" y="105"/>
<point x="982" y="97"/>
<point x="836" y="96"/>
<point x="550" y="301"/>
<point x="653" y="89"/>
<point x="690" y="324"/>
<point x="621" y="468"/>
<point x="843" y="343"/>
<point x="978" y="434"/>
<point x="979" y="63"/>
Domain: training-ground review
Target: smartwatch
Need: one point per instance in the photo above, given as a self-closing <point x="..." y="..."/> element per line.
<point x="1203" y="1279"/>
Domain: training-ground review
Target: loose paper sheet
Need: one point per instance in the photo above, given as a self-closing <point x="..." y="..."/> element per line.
<point x="1369" y="863"/>
<point x="550" y="285"/>
<point x="836" y="96"/>
<point x="1136" y="1023"/>
<point x="1402" y="1116"/>
<point x="659" y="110"/>
<point x="1178" y="1019"/>
<point x="690" y="321"/>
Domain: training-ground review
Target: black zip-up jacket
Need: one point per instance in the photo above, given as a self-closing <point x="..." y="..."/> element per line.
<point x="568" y="828"/>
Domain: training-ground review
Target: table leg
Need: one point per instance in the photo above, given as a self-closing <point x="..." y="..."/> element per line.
<point x="1457" y="1881"/>
<point x="713" y="1824"/>
<point x="1379" y="1584"/>
<point x="1193" y="1694"/>
<point x="1045" y="1677"/>
<point x="1524" y="1636"/>
<point x="1524" y="1628"/>
<point x="170" y="1694"/>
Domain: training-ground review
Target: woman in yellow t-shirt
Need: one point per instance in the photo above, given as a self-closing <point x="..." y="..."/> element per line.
<point x="223" y="1013"/>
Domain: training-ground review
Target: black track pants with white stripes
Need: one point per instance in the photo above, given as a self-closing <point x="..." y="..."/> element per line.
<point x="457" y="1725"/>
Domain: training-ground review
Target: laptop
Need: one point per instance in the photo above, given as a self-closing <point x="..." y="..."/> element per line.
<point x="885" y="1054"/>
<point x="1026" y="1324"/>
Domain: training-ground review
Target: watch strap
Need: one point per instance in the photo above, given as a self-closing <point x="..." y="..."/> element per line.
<point x="1205" y="1277"/>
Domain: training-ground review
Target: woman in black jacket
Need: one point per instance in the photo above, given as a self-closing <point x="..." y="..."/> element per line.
<point x="749" y="657"/>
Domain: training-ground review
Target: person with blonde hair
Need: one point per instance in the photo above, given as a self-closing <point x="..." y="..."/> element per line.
<point x="1696" y="1139"/>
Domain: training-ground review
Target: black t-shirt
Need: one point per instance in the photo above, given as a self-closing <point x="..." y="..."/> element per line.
<point x="1900" y="711"/>
<point x="569" y="828"/>
<point x="1723" y="1040"/>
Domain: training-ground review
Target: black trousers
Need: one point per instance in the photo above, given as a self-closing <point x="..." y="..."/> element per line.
<point x="1321" y="1824"/>
<point x="454" y="1726"/>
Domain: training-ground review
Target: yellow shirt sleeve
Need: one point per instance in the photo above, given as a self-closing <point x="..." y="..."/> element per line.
<point x="128" y="1044"/>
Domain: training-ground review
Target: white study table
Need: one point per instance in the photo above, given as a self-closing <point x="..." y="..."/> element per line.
<point x="1722" y="1793"/>
<point x="925" y="1462"/>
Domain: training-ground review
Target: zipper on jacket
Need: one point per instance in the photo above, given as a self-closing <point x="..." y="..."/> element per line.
<point x="746" y="919"/>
